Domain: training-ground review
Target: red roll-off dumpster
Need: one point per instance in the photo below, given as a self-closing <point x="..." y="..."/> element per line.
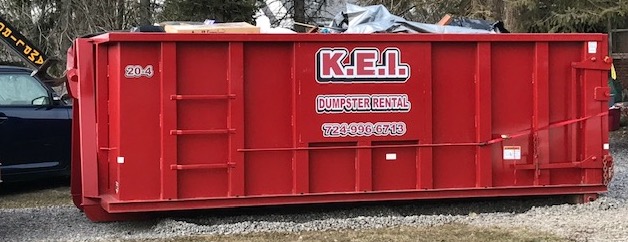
<point x="167" y="122"/>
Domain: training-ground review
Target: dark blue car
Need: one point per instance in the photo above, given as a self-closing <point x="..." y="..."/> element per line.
<point x="35" y="128"/>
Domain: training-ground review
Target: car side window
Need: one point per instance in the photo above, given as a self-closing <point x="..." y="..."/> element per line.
<point x="20" y="90"/>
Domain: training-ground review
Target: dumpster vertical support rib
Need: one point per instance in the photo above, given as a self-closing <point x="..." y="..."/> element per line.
<point x="540" y="89"/>
<point x="483" y="100"/>
<point x="589" y="72"/>
<point x="102" y="117"/>
<point x="87" y="115"/>
<point x="364" y="168"/>
<point x="425" y="170"/>
<point x="571" y="132"/>
<point x="604" y="125"/>
<point x="587" y="95"/>
<point x="168" y="119"/>
<point x="235" y="118"/>
<point x="300" y="158"/>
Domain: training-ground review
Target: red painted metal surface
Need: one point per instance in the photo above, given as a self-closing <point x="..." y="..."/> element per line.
<point x="194" y="121"/>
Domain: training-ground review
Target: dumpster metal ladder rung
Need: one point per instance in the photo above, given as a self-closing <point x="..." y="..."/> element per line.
<point x="202" y="97"/>
<point x="201" y="166"/>
<point x="202" y="132"/>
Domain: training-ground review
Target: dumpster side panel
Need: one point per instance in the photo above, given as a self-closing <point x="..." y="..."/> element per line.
<point x="454" y="68"/>
<point x="202" y="116"/>
<point x="268" y="91"/>
<point x="137" y="155"/>
<point x="358" y="130"/>
<point x="563" y="106"/>
<point x="405" y="170"/>
<point x="333" y="170"/>
<point x="512" y="66"/>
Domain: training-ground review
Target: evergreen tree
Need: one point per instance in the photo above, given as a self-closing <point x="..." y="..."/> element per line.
<point x="219" y="10"/>
<point x="568" y="15"/>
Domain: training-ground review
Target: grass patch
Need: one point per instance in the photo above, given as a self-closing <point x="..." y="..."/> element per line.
<point x="33" y="198"/>
<point x="450" y="232"/>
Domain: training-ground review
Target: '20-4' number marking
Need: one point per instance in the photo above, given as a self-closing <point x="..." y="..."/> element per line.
<point x="137" y="71"/>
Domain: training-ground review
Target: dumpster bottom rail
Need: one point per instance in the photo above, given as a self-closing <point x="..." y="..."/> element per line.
<point x="115" y="206"/>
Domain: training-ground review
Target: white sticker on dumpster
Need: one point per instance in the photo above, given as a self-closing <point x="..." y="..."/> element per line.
<point x="592" y="47"/>
<point x="512" y="152"/>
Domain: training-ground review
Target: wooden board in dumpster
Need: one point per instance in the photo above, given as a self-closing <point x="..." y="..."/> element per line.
<point x="177" y="122"/>
<point x="236" y="27"/>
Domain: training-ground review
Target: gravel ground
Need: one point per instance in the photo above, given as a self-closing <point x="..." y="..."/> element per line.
<point x="605" y="219"/>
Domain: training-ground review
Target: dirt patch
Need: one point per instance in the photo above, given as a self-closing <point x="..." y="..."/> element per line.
<point x="450" y="232"/>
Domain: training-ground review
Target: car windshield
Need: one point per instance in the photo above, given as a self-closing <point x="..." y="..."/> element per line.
<point x="21" y="89"/>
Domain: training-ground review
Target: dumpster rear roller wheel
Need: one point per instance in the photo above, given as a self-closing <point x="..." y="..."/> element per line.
<point x="584" y="198"/>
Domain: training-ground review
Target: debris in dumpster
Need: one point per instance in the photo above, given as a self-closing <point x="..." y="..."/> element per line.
<point x="377" y="19"/>
<point x="263" y="23"/>
<point x="148" y="28"/>
<point x="497" y="26"/>
<point x="445" y="20"/>
<point x="234" y="27"/>
<point x="311" y="28"/>
<point x="163" y="24"/>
